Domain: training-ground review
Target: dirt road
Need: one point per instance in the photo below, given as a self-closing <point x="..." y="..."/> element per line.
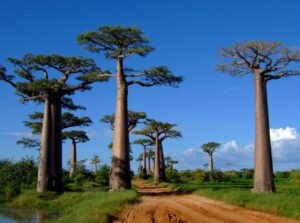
<point x="160" y="205"/>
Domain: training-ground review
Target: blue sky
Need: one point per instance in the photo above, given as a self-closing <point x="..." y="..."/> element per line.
<point x="187" y="35"/>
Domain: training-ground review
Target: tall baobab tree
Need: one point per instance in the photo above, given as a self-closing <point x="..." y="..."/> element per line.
<point x="119" y="43"/>
<point x="76" y="137"/>
<point x="210" y="148"/>
<point x="68" y="120"/>
<point x="51" y="91"/>
<point x="144" y="143"/>
<point x="95" y="161"/>
<point x="158" y="132"/>
<point x="266" y="61"/>
<point x="150" y="156"/>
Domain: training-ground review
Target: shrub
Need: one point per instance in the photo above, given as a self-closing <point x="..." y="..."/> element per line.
<point x="295" y="174"/>
<point x="102" y="175"/>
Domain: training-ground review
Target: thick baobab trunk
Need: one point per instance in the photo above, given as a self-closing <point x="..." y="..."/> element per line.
<point x="263" y="172"/>
<point x="44" y="159"/>
<point x="56" y="146"/>
<point x="144" y="163"/>
<point x="153" y="165"/>
<point x="149" y="164"/>
<point x="73" y="159"/>
<point x="120" y="165"/>
<point x="162" y="166"/>
<point x="211" y="166"/>
<point x="156" y="176"/>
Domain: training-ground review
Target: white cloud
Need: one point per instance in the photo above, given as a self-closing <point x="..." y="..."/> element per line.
<point x="285" y="151"/>
<point x="287" y="133"/>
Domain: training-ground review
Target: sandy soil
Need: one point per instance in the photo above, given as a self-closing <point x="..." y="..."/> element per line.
<point x="160" y="205"/>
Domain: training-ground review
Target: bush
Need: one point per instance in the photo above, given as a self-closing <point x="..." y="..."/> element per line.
<point x="102" y="175"/>
<point x="295" y="174"/>
<point x="247" y="173"/>
<point x="282" y="174"/>
<point x="172" y="176"/>
<point x="22" y="173"/>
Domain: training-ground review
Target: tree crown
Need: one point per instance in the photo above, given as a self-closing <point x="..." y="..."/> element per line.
<point x="76" y="136"/>
<point x="162" y="129"/>
<point x="210" y="147"/>
<point x="115" y="41"/>
<point x="271" y="59"/>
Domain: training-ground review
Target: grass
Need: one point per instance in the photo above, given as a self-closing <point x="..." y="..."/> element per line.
<point x="93" y="205"/>
<point x="285" y="202"/>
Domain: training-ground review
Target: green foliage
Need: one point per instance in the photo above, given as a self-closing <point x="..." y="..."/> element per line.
<point x="282" y="174"/>
<point x="210" y="147"/>
<point x="134" y="118"/>
<point x="115" y="41"/>
<point x="76" y="136"/>
<point x="29" y="143"/>
<point x="17" y="175"/>
<point x="102" y="175"/>
<point x="295" y="174"/>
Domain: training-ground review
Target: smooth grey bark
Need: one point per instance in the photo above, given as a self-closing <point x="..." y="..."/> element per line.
<point x="263" y="171"/>
<point x="211" y="166"/>
<point x="73" y="159"/>
<point x="44" y="159"/>
<point x="144" y="163"/>
<point x="149" y="165"/>
<point x="162" y="162"/>
<point x="120" y="165"/>
<point x="153" y="165"/>
<point x="56" y="146"/>
<point x="157" y="176"/>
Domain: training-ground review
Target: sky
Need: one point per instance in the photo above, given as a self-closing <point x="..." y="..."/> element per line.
<point x="208" y="105"/>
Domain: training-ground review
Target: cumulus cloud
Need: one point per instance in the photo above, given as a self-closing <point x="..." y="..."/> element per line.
<point x="287" y="133"/>
<point x="285" y="151"/>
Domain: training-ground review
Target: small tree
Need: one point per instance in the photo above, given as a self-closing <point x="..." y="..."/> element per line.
<point x="95" y="161"/>
<point x="144" y="143"/>
<point x="266" y="61"/>
<point x="158" y="132"/>
<point x="210" y="148"/>
<point x="150" y="156"/>
<point x="119" y="43"/>
<point x="76" y="137"/>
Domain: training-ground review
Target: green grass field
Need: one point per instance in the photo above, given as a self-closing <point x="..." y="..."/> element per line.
<point x="93" y="205"/>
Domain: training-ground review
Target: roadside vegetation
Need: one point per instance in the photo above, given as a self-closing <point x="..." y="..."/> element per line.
<point x="233" y="186"/>
<point x="85" y="197"/>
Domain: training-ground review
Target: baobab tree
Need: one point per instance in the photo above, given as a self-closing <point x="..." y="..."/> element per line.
<point x="266" y="61"/>
<point x="150" y="155"/>
<point x="210" y="148"/>
<point x="144" y="143"/>
<point x="119" y="43"/>
<point x="51" y="91"/>
<point x="134" y="118"/>
<point x="158" y="132"/>
<point x="170" y="162"/>
<point x="95" y="161"/>
<point x="76" y="137"/>
<point x="69" y="120"/>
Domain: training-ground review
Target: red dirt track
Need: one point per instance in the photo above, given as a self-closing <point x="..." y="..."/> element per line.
<point x="161" y="205"/>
